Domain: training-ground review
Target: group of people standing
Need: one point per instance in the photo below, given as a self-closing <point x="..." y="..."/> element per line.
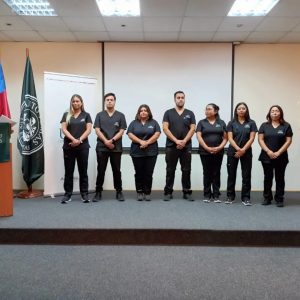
<point x="179" y="126"/>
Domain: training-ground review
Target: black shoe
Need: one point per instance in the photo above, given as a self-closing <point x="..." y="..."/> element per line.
<point x="147" y="197"/>
<point x="140" y="196"/>
<point x="65" y="199"/>
<point x="120" y="196"/>
<point x="279" y="204"/>
<point x="168" y="197"/>
<point x="266" y="202"/>
<point x="188" y="197"/>
<point x="97" y="197"/>
<point x="229" y="201"/>
<point x="85" y="198"/>
<point x="246" y="202"/>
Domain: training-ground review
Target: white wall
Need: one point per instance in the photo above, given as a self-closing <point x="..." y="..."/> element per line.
<point x="264" y="75"/>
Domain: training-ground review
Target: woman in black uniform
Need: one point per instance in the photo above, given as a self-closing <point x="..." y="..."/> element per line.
<point x="241" y="134"/>
<point x="76" y="125"/>
<point x="144" y="132"/>
<point x="212" y="138"/>
<point x="274" y="137"/>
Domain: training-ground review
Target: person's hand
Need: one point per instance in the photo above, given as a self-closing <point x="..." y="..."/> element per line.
<point x="75" y="143"/>
<point x="143" y="144"/>
<point x="180" y="144"/>
<point x="239" y="153"/>
<point x="109" y="144"/>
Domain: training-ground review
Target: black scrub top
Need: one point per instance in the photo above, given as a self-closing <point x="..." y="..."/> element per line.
<point x="143" y="132"/>
<point x="274" y="139"/>
<point x="179" y="125"/>
<point x="110" y="126"/>
<point x="241" y="134"/>
<point x="212" y="134"/>
<point x="76" y="127"/>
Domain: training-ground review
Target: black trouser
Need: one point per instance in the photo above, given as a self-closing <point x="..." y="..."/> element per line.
<point x="185" y="159"/>
<point x="246" y="166"/>
<point x="70" y="157"/>
<point x="279" y="166"/>
<point x="115" y="162"/>
<point x="211" y="174"/>
<point x="144" y="167"/>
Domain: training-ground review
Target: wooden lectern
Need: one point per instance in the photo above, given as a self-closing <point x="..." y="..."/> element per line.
<point x="6" y="190"/>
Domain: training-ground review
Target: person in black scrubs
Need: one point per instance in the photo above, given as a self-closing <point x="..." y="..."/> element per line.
<point x="212" y="138"/>
<point x="241" y="134"/>
<point x="76" y="125"/>
<point x="144" y="132"/>
<point x="274" y="137"/>
<point x="109" y="125"/>
<point x="179" y="126"/>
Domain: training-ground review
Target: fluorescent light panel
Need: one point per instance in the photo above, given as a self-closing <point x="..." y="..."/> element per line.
<point x="31" y="7"/>
<point x="121" y="8"/>
<point x="246" y="8"/>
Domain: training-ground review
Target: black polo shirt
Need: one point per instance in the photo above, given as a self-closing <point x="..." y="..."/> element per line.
<point x="212" y="134"/>
<point x="179" y="125"/>
<point x="241" y="134"/>
<point x="274" y="139"/>
<point x="110" y="126"/>
<point x="143" y="132"/>
<point x="77" y="126"/>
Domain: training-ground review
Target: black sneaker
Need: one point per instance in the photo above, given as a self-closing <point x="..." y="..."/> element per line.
<point x="229" y="201"/>
<point x="246" y="202"/>
<point x="279" y="204"/>
<point x="217" y="200"/>
<point x="120" y="196"/>
<point x="206" y="199"/>
<point x="266" y="202"/>
<point x="85" y="198"/>
<point x="188" y="197"/>
<point x="168" y="197"/>
<point x="147" y="197"/>
<point x="140" y="196"/>
<point x="65" y="199"/>
<point x="97" y="197"/>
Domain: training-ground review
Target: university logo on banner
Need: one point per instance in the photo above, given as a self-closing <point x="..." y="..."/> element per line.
<point x="30" y="131"/>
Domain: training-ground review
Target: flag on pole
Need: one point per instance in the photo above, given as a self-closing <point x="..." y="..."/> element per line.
<point x="30" y="139"/>
<point x="4" y="108"/>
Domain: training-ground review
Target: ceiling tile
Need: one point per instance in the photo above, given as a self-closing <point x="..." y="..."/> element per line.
<point x="46" y="23"/>
<point x="117" y="23"/>
<point x="234" y="36"/>
<point x="162" y="24"/>
<point x="197" y="36"/>
<point x="88" y="36"/>
<point x="291" y="37"/>
<point x="264" y="37"/>
<point x="5" y="38"/>
<point x="84" y="24"/>
<point x="201" y="24"/>
<point x="277" y="24"/>
<point x="211" y="8"/>
<point x="76" y="8"/>
<point x="163" y="8"/>
<point x="24" y="36"/>
<point x="16" y="23"/>
<point x="239" y="23"/>
<point x="286" y="8"/>
<point x="5" y="10"/>
<point x="126" y="36"/>
<point x="61" y="36"/>
<point x="161" y="36"/>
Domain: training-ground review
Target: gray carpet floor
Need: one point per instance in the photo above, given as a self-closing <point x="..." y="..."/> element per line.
<point x="176" y="214"/>
<point x="60" y="272"/>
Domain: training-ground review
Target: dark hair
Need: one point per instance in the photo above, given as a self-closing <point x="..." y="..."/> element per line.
<point x="110" y="94"/>
<point x="247" y="115"/>
<point x="137" y="116"/>
<point x="178" y="92"/>
<point x="281" y="120"/>
<point x="216" y="109"/>
<point x="81" y="100"/>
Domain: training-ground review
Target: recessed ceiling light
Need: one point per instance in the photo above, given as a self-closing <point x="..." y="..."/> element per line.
<point x="121" y="8"/>
<point x="246" y="8"/>
<point x="31" y="7"/>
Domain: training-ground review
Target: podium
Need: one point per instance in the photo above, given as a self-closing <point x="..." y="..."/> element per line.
<point x="6" y="190"/>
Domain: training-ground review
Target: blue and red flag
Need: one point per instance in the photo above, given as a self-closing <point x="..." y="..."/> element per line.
<point x="4" y="108"/>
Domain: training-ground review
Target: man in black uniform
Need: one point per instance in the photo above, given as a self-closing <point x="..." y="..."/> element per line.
<point x="110" y="125"/>
<point x="179" y="126"/>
